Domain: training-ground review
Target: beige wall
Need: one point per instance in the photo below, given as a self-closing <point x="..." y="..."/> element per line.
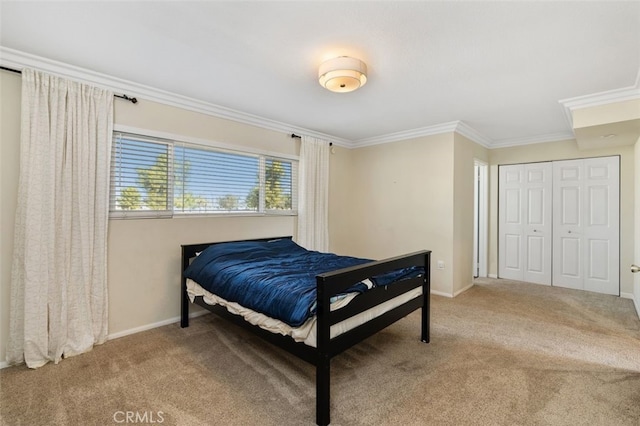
<point x="565" y="150"/>
<point x="465" y="153"/>
<point x="614" y="112"/>
<point x="401" y="200"/>
<point x="144" y="254"/>
<point x="411" y="195"/>
<point x="144" y="261"/>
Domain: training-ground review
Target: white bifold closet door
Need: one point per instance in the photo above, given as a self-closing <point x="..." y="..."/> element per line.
<point x="525" y="222"/>
<point x="586" y="218"/>
<point x="559" y="223"/>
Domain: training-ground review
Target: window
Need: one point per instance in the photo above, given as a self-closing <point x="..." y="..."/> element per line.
<point x="152" y="177"/>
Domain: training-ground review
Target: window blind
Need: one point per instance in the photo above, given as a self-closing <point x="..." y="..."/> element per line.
<point x="140" y="171"/>
<point x="160" y="178"/>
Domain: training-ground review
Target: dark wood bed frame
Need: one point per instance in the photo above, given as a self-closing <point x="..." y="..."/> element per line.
<point x="328" y="285"/>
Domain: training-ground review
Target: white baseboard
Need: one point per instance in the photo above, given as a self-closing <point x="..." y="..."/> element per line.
<point x="449" y="295"/>
<point x="4" y="364"/>
<point x="152" y="325"/>
<point x="493" y="276"/>
<point x="626" y="295"/>
<point x="441" y="293"/>
<point x="463" y="290"/>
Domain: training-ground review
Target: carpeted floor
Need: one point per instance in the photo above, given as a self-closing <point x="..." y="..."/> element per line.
<point x="502" y="353"/>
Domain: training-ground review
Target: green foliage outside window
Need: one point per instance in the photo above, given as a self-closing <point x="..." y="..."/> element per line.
<point x="150" y="176"/>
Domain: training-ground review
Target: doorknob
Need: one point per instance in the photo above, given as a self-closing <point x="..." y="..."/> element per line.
<point x="635" y="268"/>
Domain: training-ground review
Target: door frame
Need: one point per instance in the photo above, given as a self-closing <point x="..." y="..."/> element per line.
<point x="481" y="218"/>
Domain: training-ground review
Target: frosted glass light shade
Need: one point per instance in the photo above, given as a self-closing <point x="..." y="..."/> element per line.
<point x="342" y="74"/>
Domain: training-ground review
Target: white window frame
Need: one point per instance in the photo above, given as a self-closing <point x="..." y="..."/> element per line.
<point x="177" y="140"/>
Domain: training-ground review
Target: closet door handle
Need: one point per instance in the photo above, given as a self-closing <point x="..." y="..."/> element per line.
<point x="635" y="268"/>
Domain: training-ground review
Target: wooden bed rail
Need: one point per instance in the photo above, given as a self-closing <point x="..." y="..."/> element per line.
<point x="335" y="282"/>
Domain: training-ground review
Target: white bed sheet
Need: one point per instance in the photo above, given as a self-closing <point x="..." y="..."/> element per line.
<point x="306" y="333"/>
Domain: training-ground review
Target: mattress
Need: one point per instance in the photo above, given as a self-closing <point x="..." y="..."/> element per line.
<point x="305" y="333"/>
<point x="276" y="277"/>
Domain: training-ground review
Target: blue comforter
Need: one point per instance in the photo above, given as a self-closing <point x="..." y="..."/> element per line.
<point x="276" y="278"/>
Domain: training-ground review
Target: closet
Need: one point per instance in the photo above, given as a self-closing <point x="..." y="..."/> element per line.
<point x="558" y="223"/>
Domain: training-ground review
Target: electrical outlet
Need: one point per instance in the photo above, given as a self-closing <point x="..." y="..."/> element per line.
<point x="440" y="264"/>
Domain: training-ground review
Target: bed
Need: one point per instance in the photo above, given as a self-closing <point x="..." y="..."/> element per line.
<point x="345" y="305"/>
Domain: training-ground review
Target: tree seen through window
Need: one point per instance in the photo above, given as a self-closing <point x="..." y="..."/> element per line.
<point x="148" y="176"/>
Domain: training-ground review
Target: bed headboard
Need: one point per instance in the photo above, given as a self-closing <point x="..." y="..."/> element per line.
<point x="189" y="250"/>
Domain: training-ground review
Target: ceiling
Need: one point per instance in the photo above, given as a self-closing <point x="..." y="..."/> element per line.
<point x="500" y="68"/>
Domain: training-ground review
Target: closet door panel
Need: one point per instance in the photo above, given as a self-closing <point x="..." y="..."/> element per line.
<point x="525" y="222"/>
<point x="538" y="223"/>
<point x="512" y="259"/>
<point x="601" y="225"/>
<point x="511" y="179"/>
<point x="567" y="224"/>
<point x="586" y="224"/>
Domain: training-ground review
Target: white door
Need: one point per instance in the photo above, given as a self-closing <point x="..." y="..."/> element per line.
<point x="586" y="222"/>
<point x="567" y="223"/>
<point x="538" y="222"/>
<point x="525" y="226"/>
<point x="510" y="226"/>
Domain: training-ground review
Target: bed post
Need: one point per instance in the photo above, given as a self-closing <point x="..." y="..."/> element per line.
<point x="323" y="360"/>
<point x="323" y="372"/>
<point x="426" y="294"/>
<point x="184" y="298"/>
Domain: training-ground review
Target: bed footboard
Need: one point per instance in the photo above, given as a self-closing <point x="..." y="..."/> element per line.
<point x="333" y="283"/>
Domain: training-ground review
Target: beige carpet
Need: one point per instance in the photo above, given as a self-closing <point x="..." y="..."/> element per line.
<point x="503" y="353"/>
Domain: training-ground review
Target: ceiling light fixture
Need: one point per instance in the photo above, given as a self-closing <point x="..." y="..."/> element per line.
<point x="342" y="74"/>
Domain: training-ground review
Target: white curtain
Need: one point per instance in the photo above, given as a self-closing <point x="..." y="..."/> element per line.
<point x="313" y="201"/>
<point x="58" y="277"/>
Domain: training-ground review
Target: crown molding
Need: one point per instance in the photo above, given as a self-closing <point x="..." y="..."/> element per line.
<point x="470" y="133"/>
<point x="450" y="127"/>
<point x="407" y="134"/>
<point x="551" y="137"/>
<point x="18" y="60"/>
<point x="12" y="58"/>
<point x="600" y="98"/>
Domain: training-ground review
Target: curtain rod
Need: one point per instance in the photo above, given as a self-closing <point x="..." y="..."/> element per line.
<point x="125" y="97"/>
<point x="293" y="135"/>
